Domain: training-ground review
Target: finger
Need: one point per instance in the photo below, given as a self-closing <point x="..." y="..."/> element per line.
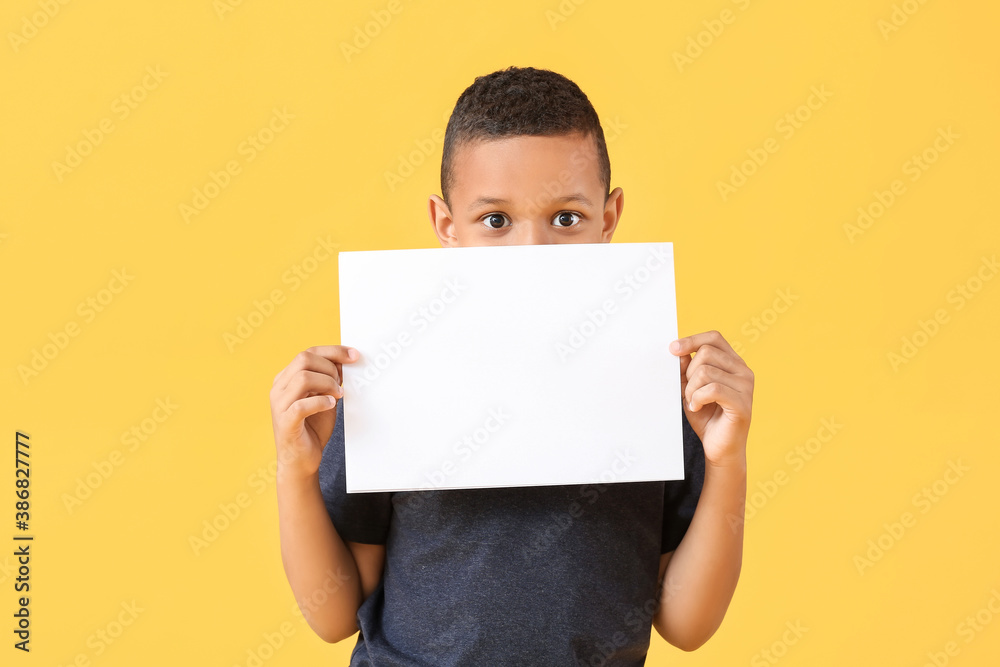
<point x="727" y="397"/>
<point x="690" y="344"/>
<point x="308" y="383"/>
<point x="320" y="358"/>
<point x="705" y="375"/>
<point x="685" y="364"/>
<point x="307" y="362"/>
<point x="713" y="356"/>
<point x="304" y="360"/>
<point x="339" y="355"/>
<point x="305" y="407"/>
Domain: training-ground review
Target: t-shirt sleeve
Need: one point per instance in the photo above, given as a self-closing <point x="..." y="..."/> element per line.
<point x="680" y="497"/>
<point x="358" y="517"/>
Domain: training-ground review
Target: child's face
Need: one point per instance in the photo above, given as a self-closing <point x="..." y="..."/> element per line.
<point x="526" y="190"/>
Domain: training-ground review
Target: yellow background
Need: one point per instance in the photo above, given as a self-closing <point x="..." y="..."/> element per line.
<point x="682" y="130"/>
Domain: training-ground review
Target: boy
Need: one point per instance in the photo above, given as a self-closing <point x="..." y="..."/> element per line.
<point x="550" y="575"/>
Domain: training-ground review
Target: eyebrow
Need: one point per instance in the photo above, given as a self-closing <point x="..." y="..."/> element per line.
<point x="491" y="201"/>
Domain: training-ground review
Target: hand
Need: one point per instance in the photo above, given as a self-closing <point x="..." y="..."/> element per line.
<point x="717" y="392"/>
<point x="303" y="398"/>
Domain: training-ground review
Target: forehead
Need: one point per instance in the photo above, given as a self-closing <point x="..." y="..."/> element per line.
<point x="525" y="165"/>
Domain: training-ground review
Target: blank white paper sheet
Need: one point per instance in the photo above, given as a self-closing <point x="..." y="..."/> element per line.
<point x="506" y="366"/>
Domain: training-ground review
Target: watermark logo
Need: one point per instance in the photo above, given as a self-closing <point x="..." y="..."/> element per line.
<point x="703" y="39"/>
<point x="927" y="329"/>
<point x="88" y="309"/>
<point x="248" y="149"/>
<point x="122" y="107"/>
<point x="882" y="200"/>
<point x="593" y="320"/>
<point x="786" y="126"/>
<point x="797" y="457"/>
<point x="968" y="629"/>
<point x="466" y="447"/>
<point x="923" y="500"/>
<point x="363" y="35"/>
<point x="900" y="15"/>
<point x="779" y="648"/>
<point x="758" y="325"/>
<point x="560" y="522"/>
<point x="562" y="12"/>
<point x="30" y="25"/>
<point x="294" y="276"/>
<point x="420" y="320"/>
<point x="104" y="468"/>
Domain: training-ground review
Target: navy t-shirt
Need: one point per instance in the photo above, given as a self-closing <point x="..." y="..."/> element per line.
<point x="540" y="575"/>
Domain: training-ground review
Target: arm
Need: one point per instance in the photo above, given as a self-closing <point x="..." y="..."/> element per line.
<point x="329" y="578"/>
<point x="316" y="559"/>
<point x="699" y="578"/>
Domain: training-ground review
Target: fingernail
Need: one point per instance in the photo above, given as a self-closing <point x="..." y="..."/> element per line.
<point x="352" y="353"/>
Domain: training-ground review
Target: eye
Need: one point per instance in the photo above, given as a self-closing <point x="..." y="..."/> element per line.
<point x="490" y="218"/>
<point x="562" y="217"/>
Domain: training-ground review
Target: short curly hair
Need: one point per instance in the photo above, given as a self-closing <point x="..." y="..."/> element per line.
<point x="521" y="101"/>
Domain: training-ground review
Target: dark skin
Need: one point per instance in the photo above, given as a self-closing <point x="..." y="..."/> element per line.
<point x="540" y="190"/>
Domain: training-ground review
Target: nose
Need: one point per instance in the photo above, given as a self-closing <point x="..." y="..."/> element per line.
<point x="534" y="232"/>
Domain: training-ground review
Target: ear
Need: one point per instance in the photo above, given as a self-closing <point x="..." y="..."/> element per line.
<point x="441" y="221"/>
<point x="612" y="213"/>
